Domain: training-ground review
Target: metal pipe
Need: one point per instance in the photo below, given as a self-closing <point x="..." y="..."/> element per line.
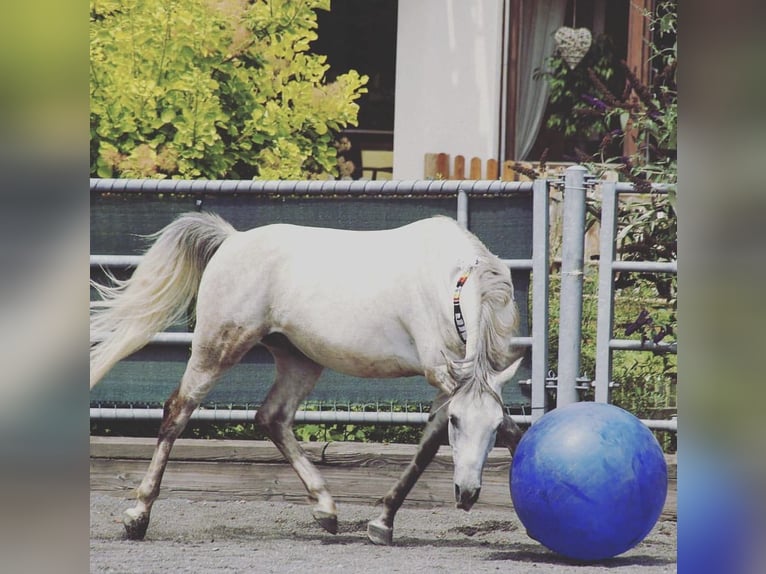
<point x="540" y="283"/>
<point x="134" y="260"/>
<point x="645" y="266"/>
<point x="666" y="424"/>
<point x="313" y="187"/>
<point x="164" y="338"/>
<point x="462" y="208"/>
<point x="240" y="416"/>
<point x="115" y="260"/>
<point x="633" y="345"/>
<point x="185" y="338"/>
<point x="605" y="317"/>
<point x="248" y="416"/>
<point x="572" y="257"/>
<point x="624" y="187"/>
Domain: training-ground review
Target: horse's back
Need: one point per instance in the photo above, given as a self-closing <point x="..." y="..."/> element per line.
<point x="338" y="254"/>
<point x="295" y="240"/>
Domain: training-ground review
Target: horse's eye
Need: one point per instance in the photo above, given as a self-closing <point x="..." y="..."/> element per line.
<point x="453" y="421"/>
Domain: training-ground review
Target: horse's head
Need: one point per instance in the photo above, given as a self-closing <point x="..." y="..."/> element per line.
<point x="476" y="415"/>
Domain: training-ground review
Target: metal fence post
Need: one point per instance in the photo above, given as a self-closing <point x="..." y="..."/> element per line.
<point x="540" y="293"/>
<point x="605" y="319"/>
<point x="462" y="208"/>
<point x="570" y="306"/>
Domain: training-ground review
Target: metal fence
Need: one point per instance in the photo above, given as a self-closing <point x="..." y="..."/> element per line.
<point x="572" y="271"/>
<point x="568" y="380"/>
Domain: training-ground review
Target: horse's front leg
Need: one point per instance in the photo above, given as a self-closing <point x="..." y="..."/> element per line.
<point x="509" y="434"/>
<point x="296" y="377"/>
<point x="381" y="530"/>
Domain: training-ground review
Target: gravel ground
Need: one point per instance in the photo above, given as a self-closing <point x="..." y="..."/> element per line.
<point x="281" y="537"/>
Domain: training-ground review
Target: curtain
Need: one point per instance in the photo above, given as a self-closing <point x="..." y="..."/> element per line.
<point x="539" y="21"/>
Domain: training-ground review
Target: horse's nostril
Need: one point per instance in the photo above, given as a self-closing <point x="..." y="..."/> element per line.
<point x="469" y="497"/>
<point x="466" y="498"/>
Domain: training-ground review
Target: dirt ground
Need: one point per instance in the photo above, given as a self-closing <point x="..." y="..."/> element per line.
<point x="281" y="537"/>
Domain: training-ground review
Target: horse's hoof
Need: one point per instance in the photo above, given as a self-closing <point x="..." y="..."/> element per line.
<point x="135" y="525"/>
<point x="379" y="533"/>
<point x="327" y="521"/>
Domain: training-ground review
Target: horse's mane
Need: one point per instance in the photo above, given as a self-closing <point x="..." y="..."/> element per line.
<point x="498" y="322"/>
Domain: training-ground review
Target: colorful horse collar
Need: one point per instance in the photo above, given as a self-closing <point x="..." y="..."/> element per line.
<point x="457" y="312"/>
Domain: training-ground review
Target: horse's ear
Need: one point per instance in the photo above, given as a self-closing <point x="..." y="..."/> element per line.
<point x="506" y="375"/>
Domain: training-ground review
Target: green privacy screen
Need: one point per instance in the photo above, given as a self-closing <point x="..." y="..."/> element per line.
<point x="119" y="219"/>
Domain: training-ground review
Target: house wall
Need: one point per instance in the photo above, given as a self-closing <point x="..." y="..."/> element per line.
<point x="447" y="81"/>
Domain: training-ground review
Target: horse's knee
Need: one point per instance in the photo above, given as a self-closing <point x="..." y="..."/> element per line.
<point x="175" y="414"/>
<point x="262" y="418"/>
<point x="269" y="420"/>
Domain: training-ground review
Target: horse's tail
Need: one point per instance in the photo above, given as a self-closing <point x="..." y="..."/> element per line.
<point x="489" y="351"/>
<point x="158" y="293"/>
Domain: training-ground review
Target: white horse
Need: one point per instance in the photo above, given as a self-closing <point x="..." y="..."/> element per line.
<point x="424" y="299"/>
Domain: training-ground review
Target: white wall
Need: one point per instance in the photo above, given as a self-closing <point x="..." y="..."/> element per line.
<point x="447" y="81"/>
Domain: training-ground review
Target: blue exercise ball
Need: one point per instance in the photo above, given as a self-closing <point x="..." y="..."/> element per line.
<point x="588" y="481"/>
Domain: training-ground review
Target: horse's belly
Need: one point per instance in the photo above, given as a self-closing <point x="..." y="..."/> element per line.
<point x="378" y="355"/>
<point x="357" y="365"/>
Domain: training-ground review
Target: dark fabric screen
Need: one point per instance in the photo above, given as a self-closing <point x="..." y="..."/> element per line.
<point x="119" y="220"/>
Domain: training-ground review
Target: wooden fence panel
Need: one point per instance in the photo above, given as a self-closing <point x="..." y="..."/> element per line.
<point x="440" y="166"/>
<point x="437" y="166"/>
<point x="255" y="470"/>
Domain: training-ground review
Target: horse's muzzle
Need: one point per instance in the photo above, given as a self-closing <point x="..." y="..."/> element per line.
<point x="465" y="499"/>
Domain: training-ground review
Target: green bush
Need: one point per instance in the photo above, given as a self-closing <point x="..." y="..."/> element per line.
<point x="228" y="89"/>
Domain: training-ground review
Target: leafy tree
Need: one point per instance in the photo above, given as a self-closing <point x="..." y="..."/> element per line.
<point x="213" y="89"/>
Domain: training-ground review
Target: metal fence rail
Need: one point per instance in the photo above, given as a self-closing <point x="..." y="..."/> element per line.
<point x="311" y="187"/>
<point x="245" y="416"/>
<point x="184" y="338"/>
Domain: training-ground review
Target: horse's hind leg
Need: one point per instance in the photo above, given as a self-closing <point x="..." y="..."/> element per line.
<point x="296" y="377"/>
<point x="178" y="409"/>
<point x="206" y="364"/>
<point x="381" y="530"/>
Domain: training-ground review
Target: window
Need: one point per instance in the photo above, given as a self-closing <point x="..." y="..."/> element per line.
<point x="362" y="36"/>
